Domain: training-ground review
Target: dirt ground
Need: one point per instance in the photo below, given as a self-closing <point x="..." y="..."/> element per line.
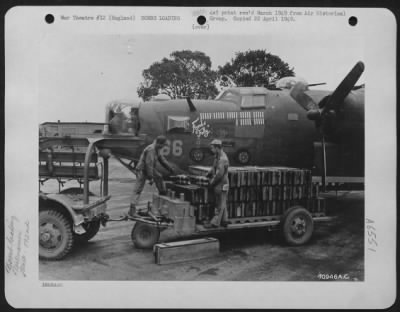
<point x="337" y="247"/>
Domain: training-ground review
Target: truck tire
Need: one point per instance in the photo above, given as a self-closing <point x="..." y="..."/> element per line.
<point x="55" y="235"/>
<point x="92" y="228"/>
<point x="144" y="235"/>
<point x="297" y="226"/>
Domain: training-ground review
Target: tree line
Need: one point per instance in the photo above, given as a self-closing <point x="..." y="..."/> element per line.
<point x="188" y="73"/>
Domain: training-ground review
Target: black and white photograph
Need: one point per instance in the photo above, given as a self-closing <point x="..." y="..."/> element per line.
<point x="174" y="154"/>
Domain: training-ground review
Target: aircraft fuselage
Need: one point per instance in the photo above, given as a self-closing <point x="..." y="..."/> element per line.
<point x="258" y="127"/>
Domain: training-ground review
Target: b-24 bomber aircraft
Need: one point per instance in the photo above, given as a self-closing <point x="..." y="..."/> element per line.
<point x="290" y="127"/>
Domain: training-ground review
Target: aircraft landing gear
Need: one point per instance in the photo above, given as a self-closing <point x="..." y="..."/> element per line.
<point x="197" y="154"/>
<point x="243" y="156"/>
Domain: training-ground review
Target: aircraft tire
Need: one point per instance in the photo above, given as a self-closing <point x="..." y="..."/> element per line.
<point x="243" y="156"/>
<point x="144" y="235"/>
<point x="297" y="226"/>
<point x="197" y="154"/>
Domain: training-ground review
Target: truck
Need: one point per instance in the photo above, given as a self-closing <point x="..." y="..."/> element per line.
<point x="69" y="216"/>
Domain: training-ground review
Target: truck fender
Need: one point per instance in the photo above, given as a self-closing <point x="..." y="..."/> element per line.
<point x="63" y="201"/>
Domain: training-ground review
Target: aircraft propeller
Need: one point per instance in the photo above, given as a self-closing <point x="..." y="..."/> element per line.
<point x="328" y="106"/>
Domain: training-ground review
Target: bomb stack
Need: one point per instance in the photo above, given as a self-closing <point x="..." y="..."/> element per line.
<point x="194" y="189"/>
<point x="257" y="192"/>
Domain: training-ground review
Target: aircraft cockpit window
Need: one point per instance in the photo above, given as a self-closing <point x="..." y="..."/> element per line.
<point x="123" y="118"/>
<point x="253" y="101"/>
<point x="178" y="124"/>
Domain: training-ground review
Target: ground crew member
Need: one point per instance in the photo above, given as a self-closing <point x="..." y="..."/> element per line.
<point x="117" y="123"/>
<point x="218" y="175"/>
<point x="146" y="170"/>
<point x="133" y="122"/>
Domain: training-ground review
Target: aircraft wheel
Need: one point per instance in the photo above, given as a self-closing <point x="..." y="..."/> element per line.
<point x="197" y="154"/>
<point x="243" y="156"/>
<point x="297" y="226"/>
<point x="145" y="235"/>
<point x="55" y="235"/>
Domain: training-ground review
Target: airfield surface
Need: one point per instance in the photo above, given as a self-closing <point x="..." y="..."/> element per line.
<point x="337" y="247"/>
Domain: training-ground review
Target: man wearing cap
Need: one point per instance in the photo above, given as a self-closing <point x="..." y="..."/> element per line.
<point x="218" y="175"/>
<point x="146" y="170"/>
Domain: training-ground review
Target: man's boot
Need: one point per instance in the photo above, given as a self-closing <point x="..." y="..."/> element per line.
<point x="132" y="211"/>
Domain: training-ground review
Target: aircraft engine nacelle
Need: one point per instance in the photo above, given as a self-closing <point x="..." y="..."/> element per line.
<point x="344" y="123"/>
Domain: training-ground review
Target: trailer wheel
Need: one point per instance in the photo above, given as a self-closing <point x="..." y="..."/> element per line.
<point x="297" y="226"/>
<point x="145" y="235"/>
<point x="91" y="229"/>
<point x="55" y="235"/>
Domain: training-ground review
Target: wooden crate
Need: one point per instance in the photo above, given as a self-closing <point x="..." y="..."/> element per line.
<point x="173" y="252"/>
<point x="171" y="207"/>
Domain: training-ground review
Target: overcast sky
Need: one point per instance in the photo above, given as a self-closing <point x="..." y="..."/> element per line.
<point x="80" y="74"/>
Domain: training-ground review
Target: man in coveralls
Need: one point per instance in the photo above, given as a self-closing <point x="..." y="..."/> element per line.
<point x="218" y="175"/>
<point x="146" y="170"/>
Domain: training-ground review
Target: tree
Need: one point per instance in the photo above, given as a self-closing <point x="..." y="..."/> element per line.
<point x="185" y="73"/>
<point x="254" y="68"/>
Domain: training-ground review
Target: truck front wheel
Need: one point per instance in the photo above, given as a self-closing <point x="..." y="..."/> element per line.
<point x="55" y="235"/>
